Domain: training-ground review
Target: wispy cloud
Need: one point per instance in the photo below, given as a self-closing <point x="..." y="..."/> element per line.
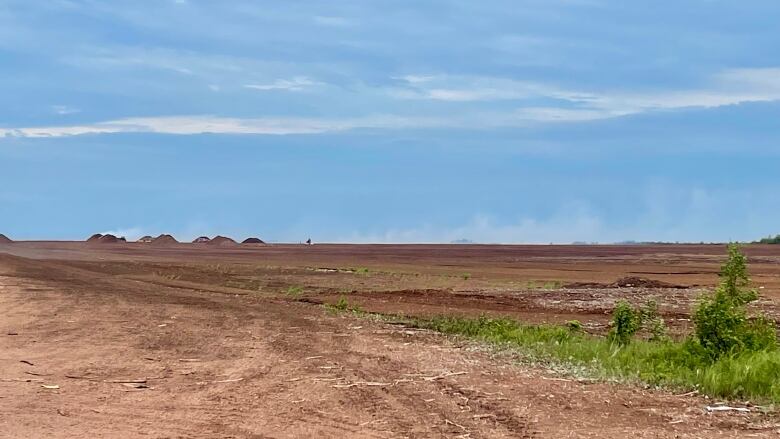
<point x="297" y="83"/>
<point x="729" y="87"/>
<point x="222" y="125"/>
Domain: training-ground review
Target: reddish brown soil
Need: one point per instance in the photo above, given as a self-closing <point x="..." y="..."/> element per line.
<point x="225" y="352"/>
<point x="4" y="239"/>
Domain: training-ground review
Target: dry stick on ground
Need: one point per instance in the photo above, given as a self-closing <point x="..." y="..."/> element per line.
<point x="724" y="408"/>
<point x="361" y="383"/>
<point x="232" y="380"/>
<point x="138" y="381"/>
<point x="457" y="425"/>
<point x="115" y="381"/>
<point x="396" y="382"/>
<point x="444" y="375"/>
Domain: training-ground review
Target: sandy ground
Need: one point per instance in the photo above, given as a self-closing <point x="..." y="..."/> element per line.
<point x="175" y="343"/>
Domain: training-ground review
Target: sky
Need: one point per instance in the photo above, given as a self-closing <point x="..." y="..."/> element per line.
<point x="503" y="121"/>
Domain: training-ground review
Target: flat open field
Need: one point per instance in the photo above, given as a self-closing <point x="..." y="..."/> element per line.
<point x="203" y="341"/>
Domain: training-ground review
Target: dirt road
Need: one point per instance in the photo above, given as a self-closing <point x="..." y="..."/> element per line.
<point x="89" y="352"/>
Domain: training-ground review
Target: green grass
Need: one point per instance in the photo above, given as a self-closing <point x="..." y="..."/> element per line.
<point x="343" y="305"/>
<point x="294" y="291"/>
<point x="751" y="375"/>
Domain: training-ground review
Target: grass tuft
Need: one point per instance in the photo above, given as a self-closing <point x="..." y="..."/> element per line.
<point x="294" y="291"/>
<point x="343" y="305"/>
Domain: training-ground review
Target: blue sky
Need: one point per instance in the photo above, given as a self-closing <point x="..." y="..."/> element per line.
<point x="390" y="121"/>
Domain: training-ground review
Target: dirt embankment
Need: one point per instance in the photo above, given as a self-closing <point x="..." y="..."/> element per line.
<point x="164" y="240"/>
<point x="253" y="241"/>
<point x="222" y="241"/>
<point x="627" y="282"/>
<point x="95" y="238"/>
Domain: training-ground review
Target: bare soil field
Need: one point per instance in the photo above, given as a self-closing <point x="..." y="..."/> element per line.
<point x="190" y="341"/>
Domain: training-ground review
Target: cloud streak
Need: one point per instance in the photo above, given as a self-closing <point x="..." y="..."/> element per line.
<point x="185" y="125"/>
<point x="729" y="87"/>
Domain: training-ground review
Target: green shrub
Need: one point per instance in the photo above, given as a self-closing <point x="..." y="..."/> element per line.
<point x="718" y="325"/>
<point x="626" y="321"/>
<point x="721" y="323"/>
<point x="735" y="278"/>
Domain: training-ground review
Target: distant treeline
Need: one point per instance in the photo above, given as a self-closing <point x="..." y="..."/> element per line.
<point x="769" y="240"/>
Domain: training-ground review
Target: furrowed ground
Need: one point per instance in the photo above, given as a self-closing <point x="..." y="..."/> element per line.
<point x="181" y="341"/>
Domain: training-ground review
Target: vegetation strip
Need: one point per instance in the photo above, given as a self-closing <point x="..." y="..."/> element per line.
<point x="729" y="354"/>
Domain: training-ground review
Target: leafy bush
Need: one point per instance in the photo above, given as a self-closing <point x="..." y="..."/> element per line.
<point x="721" y="322"/>
<point x="626" y="321"/>
<point x="735" y="278"/>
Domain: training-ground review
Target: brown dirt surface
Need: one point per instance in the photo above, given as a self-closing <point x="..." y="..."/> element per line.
<point x="4" y="239"/>
<point x="188" y="341"/>
<point x="94" y="238"/>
